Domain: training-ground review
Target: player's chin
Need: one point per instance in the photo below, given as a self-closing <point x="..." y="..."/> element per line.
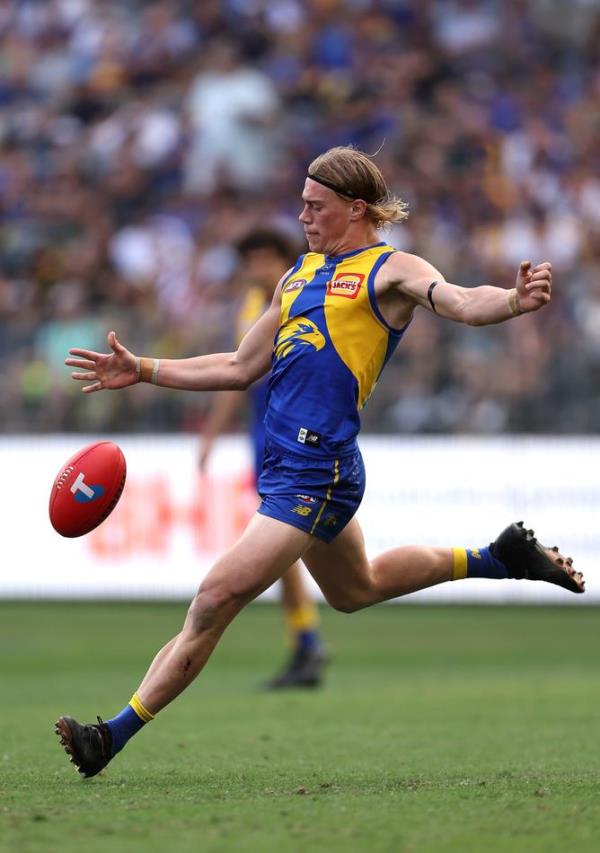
<point x="314" y="243"/>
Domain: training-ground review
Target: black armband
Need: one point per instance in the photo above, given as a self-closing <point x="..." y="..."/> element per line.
<point x="430" y="295"/>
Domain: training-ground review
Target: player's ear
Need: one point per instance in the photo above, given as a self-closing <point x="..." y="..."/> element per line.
<point x="358" y="209"/>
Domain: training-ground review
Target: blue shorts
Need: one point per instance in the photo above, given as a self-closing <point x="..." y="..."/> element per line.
<point x="319" y="496"/>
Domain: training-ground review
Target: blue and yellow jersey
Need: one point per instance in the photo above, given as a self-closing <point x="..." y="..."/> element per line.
<point x="329" y="351"/>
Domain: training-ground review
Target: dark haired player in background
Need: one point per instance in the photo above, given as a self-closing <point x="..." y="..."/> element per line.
<point x="264" y="256"/>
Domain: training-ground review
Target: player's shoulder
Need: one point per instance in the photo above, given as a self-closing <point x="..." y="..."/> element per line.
<point x="406" y="259"/>
<point x="403" y="274"/>
<point x="405" y="265"/>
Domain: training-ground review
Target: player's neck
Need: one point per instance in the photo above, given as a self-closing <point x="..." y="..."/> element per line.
<point x="353" y="241"/>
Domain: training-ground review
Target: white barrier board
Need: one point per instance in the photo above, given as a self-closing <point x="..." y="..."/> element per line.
<point x="171" y="523"/>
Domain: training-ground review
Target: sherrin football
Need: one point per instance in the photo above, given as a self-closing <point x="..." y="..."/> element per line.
<point x="87" y="489"/>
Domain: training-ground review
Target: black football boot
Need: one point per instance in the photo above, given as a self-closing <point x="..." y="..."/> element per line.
<point x="525" y="557"/>
<point x="88" y="746"/>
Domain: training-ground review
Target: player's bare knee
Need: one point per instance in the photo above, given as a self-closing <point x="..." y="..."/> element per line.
<point x="213" y="605"/>
<point x="345" y="602"/>
<point x="202" y="614"/>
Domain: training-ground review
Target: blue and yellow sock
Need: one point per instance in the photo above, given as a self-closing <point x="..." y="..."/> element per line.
<point x="476" y="563"/>
<point x="128" y="723"/>
<point x="303" y="623"/>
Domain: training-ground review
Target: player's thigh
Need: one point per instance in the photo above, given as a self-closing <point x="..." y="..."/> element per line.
<point x="341" y="568"/>
<point x="263" y="553"/>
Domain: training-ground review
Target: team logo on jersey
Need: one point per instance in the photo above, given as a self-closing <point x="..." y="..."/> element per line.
<point x="346" y="284"/>
<point x="295" y="333"/>
<point x="294" y="284"/>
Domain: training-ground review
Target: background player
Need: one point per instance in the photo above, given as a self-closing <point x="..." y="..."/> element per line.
<point x="264" y="256"/>
<point x="335" y="319"/>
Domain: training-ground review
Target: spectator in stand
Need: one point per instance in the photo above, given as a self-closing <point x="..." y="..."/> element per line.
<point x="233" y="118"/>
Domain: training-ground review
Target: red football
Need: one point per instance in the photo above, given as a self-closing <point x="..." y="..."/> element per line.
<point x="87" y="489"/>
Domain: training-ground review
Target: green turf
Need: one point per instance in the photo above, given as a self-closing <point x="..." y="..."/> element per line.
<point x="440" y="729"/>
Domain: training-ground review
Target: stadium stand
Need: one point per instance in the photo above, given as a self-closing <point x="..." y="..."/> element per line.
<point x="139" y="140"/>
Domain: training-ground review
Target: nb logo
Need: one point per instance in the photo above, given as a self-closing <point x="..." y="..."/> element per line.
<point x="84" y="493"/>
<point x="302" y="510"/>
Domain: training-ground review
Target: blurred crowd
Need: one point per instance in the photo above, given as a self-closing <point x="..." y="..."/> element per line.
<point x="139" y="140"/>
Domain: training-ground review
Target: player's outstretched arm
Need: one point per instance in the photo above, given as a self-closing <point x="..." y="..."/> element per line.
<point x="220" y="371"/>
<point x="483" y="305"/>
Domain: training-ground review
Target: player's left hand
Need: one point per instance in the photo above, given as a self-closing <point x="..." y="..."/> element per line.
<point x="113" y="370"/>
<point x="534" y="285"/>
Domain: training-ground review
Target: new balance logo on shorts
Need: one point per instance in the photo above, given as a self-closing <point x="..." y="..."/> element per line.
<point x="302" y="510"/>
<point x="307" y="436"/>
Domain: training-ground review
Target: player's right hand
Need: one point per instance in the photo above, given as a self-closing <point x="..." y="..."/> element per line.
<point x="534" y="285"/>
<point x="104" y="371"/>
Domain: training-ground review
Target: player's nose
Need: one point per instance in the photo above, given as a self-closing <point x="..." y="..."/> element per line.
<point x="304" y="214"/>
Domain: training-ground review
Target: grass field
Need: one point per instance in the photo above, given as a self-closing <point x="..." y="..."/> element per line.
<point x="439" y="729"/>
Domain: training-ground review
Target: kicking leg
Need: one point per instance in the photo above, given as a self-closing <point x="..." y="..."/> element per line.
<point x="266" y="549"/>
<point x="350" y="581"/>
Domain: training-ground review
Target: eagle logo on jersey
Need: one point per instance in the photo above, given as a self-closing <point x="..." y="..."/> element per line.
<point x="297" y="332"/>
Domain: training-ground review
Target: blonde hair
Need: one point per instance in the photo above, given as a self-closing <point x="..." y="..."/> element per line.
<point x="352" y="174"/>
